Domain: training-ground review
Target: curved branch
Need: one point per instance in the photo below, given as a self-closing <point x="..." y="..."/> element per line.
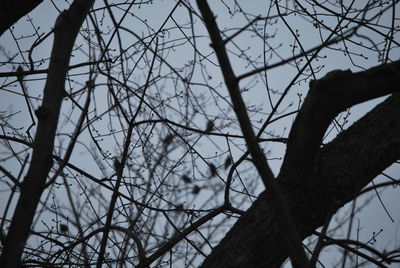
<point x="12" y="10"/>
<point x="327" y="97"/>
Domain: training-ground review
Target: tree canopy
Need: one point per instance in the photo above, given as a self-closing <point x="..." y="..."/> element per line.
<point x="198" y="133"/>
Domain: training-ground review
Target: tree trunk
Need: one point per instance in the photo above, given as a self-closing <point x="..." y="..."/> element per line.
<point x="342" y="168"/>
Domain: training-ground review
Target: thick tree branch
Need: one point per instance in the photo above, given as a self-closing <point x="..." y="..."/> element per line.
<point x="66" y="29"/>
<point x="341" y="169"/>
<point x="12" y="10"/>
<point x="327" y="97"/>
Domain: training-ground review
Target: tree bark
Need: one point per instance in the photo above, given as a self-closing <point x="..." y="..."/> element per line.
<point x="65" y="31"/>
<point x="12" y="10"/>
<point x="318" y="181"/>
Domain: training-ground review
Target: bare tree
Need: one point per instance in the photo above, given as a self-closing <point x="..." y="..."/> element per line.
<point x="162" y="125"/>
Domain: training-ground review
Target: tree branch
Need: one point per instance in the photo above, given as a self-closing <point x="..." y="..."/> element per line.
<point x="12" y="10"/>
<point x="342" y="168"/>
<point x="327" y="97"/>
<point x="65" y="32"/>
<point x="287" y="227"/>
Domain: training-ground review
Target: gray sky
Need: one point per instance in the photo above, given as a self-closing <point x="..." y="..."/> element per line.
<point x="371" y="220"/>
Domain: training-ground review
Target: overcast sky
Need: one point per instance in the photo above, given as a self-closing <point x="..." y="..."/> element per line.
<point x="371" y="220"/>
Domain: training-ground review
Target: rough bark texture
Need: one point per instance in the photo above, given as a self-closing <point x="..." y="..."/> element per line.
<point x="318" y="181"/>
<point x="12" y="10"/>
<point x="65" y="30"/>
